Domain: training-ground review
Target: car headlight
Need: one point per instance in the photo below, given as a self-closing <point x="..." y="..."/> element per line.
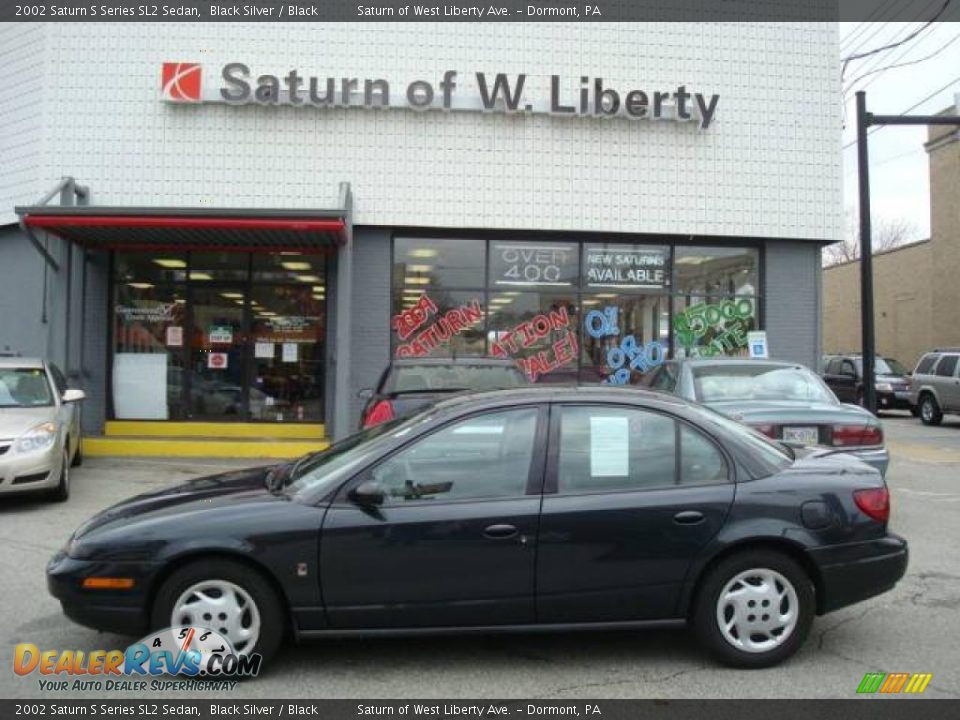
<point x="36" y="438"/>
<point x="884" y="387"/>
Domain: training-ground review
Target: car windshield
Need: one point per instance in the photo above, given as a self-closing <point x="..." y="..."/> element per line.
<point x="313" y="470"/>
<point x="885" y="366"/>
<point x="747" y="381"/>
<point x="449" y="378"/>
<point x="24" y="387"/>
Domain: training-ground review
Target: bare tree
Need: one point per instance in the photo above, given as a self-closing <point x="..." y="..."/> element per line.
<point x="887" y="234"/>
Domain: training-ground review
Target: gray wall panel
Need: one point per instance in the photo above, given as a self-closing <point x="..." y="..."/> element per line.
<point x="792" y="309"/>
<point x="370" y="337"/>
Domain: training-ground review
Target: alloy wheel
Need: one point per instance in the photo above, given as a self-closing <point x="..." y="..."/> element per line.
<point x="222" y="606"/>
<point x="926" y="409"/>
<point x="757" y="610"/>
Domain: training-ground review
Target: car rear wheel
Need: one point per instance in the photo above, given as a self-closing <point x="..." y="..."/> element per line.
<point x="755" y="609"/>
<point x="930" y="413"/>
<point x="225" y="596"/>
<point x="61" y="492"/>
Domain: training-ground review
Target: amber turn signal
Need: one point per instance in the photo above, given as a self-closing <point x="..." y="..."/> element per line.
<point x="107" y="583"/>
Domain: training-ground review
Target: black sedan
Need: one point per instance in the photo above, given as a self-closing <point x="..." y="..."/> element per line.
<point x="544" y="508"/>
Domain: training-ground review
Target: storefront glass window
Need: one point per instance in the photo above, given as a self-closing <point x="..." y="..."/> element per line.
<point x="419" y="263"/>
<point x="716" y="271"/>
<point x="533" y="264"/>
<point x="164" y="267"/>
<point x="148" y="338"/>
<point x="215" y="266"/>
<point x="712" y="326"/>
<point x="537" y="329"/>
<point x="614" y="267"/>
<point x="289" y="267"/>
<point x="439" y="323"/>
<point x="624" y="336"/>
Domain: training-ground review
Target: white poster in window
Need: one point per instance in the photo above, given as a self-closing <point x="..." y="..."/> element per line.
<point x="290" y="352"/>
<point x="221" y="335"/>
<point x="609" y="446"/>
<point x="757" y="342"/>
<point x="174" y="336"/>
<point x="263" y="350"/>
<point x="140" y="386"/>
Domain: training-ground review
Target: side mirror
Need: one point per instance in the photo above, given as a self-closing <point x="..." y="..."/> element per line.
<point x="365" y="393"/>
<point x="369" y="493"/>
<point x="72" y="395"/>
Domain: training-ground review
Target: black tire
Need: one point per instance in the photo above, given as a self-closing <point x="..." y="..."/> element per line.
<point x="930" y="413"/>
<point x="269" y="606"/>
<point x="915" y="411"/>
<point x="61" y="493"/>
<point x="707" y="626"/>
<point x="78" y="455"/>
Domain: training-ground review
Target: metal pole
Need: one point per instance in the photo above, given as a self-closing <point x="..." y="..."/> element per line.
<point x="866" y="257"/>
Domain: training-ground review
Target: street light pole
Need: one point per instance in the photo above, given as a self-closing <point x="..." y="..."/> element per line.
<point x="866" y="258"/>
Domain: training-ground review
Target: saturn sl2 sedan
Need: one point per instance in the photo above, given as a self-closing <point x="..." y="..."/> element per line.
<point x="539" y="508"/>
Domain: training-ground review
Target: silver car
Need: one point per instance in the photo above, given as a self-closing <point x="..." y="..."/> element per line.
<point x="935" y="385"/>
<point x="39" y="428"/>
<point x="784" y="401"/>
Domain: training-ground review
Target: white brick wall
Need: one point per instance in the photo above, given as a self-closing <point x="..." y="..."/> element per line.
<point x="22" y="57"/>
<point x="768" y="166"/>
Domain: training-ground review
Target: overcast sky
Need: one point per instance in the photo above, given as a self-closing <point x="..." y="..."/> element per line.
<point x="899" y="180"/>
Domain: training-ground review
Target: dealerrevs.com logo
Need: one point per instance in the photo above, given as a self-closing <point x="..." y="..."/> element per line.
<point x="182" y="81"/>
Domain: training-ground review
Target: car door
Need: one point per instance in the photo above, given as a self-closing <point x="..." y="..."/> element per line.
<point x="68" y="413"/>
<point x="453" y="542"/>
<point x="631" y="496"/>
<point x="947" y="383"/>
<point x="845" y="382"/>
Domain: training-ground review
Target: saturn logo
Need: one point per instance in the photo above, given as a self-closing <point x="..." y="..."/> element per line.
<point x="181" y="82"/>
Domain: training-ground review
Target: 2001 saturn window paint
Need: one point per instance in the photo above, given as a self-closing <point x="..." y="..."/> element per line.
<point x="507" y="511"/>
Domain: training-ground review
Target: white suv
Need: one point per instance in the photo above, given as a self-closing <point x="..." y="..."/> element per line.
<point x="39" y="428"/>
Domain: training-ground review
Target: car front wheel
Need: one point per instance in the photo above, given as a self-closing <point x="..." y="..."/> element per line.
<point x="226" y="596"/>
<point x="930" y="413"/>
<point x="755" y="609"/>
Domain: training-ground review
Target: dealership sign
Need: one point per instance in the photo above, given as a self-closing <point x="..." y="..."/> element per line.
<point x="236" y="83"/>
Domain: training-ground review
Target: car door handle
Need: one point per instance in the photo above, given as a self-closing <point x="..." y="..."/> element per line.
<point x="688" y="517"/>
<point x="500" y="532"/>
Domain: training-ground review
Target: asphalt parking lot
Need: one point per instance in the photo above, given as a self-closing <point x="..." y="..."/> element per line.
<point x="911" y="629"/>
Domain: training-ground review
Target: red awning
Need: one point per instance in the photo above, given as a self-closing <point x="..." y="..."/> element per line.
<point x="191" y="229"/>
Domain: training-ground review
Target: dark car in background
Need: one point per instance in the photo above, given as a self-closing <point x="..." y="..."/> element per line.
<point x="410" y="384"/>
<point x="540" y="508"/>
<point x="844" y="375"/>
<point x="784" y="401"/>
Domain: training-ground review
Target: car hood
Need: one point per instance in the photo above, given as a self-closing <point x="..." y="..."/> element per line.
<point x="199" y="495"/>
<point x="783" y="411"/>
<point x="16" y="421"/>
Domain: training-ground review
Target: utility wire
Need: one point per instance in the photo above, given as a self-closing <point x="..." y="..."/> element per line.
<point x="903" y="64"/>
<point x="847" y="60"/>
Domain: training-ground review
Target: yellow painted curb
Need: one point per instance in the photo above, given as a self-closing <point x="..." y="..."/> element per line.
<point x="257" y="431"/>
<point x="193" y="447"/>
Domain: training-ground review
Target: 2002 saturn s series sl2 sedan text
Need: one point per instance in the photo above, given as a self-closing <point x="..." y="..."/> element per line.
<point x="535" y="508"/>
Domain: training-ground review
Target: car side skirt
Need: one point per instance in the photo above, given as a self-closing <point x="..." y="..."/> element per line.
<point x="489" y="629"/>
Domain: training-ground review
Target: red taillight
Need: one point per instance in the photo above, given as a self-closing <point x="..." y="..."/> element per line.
<point x="875" y="502"/>
<point x="851" y="435"/>
<point x="381" y="412"/>
<point x="769" y="430"/>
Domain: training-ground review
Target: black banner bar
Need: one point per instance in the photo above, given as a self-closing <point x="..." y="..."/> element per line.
<point x="474" y="11"/>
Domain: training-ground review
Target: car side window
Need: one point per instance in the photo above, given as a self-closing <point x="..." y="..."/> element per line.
<point x="947" y="366"/>
<point x="701" y="462"/>
<point x="484" y="456"/>
<point x="58" y="379"/>
<point x="847" y="368"/>
<point x="666" y="378"/>
<point x="926" y="364"/>
<point x="833" y="367"/>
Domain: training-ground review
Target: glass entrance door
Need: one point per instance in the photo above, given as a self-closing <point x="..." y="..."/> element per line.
<point x="217" y="353"/>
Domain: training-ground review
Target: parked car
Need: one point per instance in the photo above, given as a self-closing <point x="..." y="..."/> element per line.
<point x="782" y="400"/>
<point x="935" y="385"/>
<point x="410" y="384"/>
<point x="844" y="375"/>
<point x="39" y="428"/>
<point x="642" y="509"/>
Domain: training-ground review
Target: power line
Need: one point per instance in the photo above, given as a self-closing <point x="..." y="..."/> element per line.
<point x="850" y="58"/>
<point x="905" y="64"/>
<point x="909" y="109"/>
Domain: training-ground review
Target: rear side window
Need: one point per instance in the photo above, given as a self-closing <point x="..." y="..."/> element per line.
<point x="606" y="449"/>
<point x="947" y="366"/>
<point x="833" y="367"/>
<point x="666" y="378"/>
<point x="926" y="364"/>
